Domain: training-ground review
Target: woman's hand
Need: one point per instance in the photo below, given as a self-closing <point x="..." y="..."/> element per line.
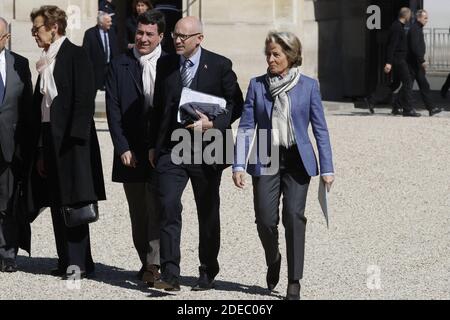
<point x="328" y="180"/>
<point x="239" y="179"/>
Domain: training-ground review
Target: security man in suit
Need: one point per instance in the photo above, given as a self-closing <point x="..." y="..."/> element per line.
<point x="15" y="98"/>
<point x="416" y="60"/>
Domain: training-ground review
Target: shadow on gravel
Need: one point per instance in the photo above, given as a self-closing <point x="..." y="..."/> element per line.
<point x="234" y="287"/>
<point x="109" y="275"/>
<point x="125" y="279"/>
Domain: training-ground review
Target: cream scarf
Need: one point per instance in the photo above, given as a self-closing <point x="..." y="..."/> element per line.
<point x="45" y="67"/>
<point x="148" y="63"/>
<point x="283" y="133"/>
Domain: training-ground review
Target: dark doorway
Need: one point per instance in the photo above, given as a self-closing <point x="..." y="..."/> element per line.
<point x="351" y="57"/>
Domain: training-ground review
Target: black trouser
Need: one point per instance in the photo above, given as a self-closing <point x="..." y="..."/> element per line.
<point x="380" y="95"/>
<point x="446" y="85"/>
<point x="172" y="181"/>
<point x="405" y="94"/>
<point x="292" y="182"/>
<point x="418" y="73"/>
<point x="9" y="233"/>
<point x="72" y="244"/>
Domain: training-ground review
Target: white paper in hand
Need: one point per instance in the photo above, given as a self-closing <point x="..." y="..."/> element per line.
<point x="323" y="200"/>
<point x="189" y="95"/>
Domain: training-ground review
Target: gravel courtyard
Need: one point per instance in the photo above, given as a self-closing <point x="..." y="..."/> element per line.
<point x="389" y="235"/>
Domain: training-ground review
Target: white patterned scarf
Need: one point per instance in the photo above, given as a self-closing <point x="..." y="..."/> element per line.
<point x="45" y="67"/>
<point x="148" y="63"/>
<point x="283" y="133"/>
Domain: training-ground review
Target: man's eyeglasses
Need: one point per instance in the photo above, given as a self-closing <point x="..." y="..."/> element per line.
<point x="3" y="36"/>
<point x="35" y="30"/>
<point x="183" y="37"/>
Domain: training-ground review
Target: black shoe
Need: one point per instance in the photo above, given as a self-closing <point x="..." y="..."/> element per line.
<point x="58" y="272"/>
<point x="396" y="111"/>
<point x="273" y="274"/>
<point x="204" y="283"/>
<point x="172" y="285"/>
<point x="293" y="291"/>
<point x="412" y="113"/>
<point x="83" y="275"/>
<point x="140" y="274"/>
<point x="369" y="105"/>
<point x="8" y="266"/>
<point x="434" y="111"/>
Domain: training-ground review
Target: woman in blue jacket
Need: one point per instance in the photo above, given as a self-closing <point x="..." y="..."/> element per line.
<point x="280" y="106"/>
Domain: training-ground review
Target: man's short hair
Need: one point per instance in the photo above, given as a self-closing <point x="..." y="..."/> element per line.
<point x="420" y="13"/>
<point x="404" y="12"/>
<point x="153" y="17"/>
<point x="101" y="15"/>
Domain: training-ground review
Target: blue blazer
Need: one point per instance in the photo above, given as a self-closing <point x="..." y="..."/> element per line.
<point x="306" y="109"/>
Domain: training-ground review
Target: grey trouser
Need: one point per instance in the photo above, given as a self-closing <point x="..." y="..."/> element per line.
<point x="291" y="182"/>
<point x="8" y="225"/>
<point x="145" y="220"/>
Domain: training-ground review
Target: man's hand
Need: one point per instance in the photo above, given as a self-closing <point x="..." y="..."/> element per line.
<point x="239" y="179"/>
<point x="203" y="124"/>
<point x="151" y="158"/>
<point x="40" y="166"/>
<point x="129" y="159"/>
<point x="425" y="65"/>
<point x="387" y="68"/>
<point x="329" y="180"/>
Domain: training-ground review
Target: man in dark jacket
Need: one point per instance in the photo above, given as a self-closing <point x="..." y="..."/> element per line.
<point x="201" y="70"/>
<point x="396" y="65"/>
<point x="396" y="55"/>
<point x="100" y="43"/>
<point x="129" y="100"/>
<point x="416" y="60"/>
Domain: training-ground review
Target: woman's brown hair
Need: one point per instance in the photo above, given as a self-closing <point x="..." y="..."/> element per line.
<point x="52" y="15"/>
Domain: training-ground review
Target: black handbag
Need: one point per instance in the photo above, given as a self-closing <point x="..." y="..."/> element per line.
<point x="75" y="216"/>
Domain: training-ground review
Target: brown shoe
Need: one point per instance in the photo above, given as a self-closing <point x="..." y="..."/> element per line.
<point x="151" y="275"/>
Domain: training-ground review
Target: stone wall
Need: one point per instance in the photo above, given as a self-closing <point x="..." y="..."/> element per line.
<point x="237" y="30"/>
<point x="234" y="28"/>
<point x="82" y="15"/>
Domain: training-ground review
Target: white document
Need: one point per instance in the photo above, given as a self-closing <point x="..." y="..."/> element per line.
<point x="323" y="200"/>
<point x="188" y="95"/>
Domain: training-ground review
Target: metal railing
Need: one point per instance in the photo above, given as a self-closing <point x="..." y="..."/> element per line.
<point x="438" y="48"/>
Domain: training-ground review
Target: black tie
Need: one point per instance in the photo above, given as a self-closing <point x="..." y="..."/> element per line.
<point x="105" y="35"/>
